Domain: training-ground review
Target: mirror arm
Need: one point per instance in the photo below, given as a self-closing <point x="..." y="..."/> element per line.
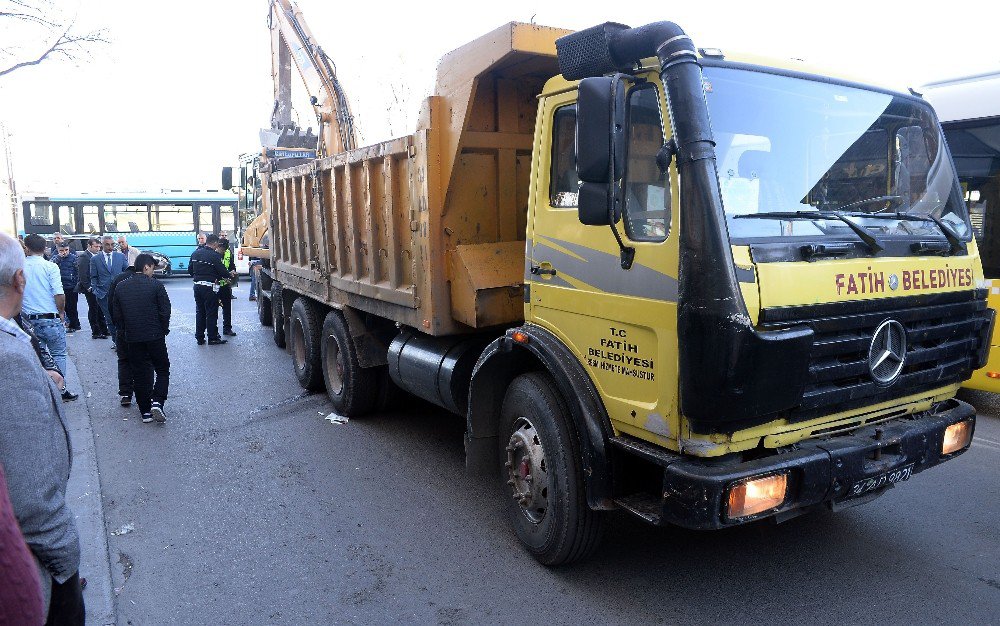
<point x="626" y="253"/>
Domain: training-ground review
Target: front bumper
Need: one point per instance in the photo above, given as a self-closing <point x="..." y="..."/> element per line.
<point x="821" y="471"/>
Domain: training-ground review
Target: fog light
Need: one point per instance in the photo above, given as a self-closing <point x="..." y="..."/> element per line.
<point x="756" y="495"/>
<point x="956" y="437"/>
<point x="992" y="374"/>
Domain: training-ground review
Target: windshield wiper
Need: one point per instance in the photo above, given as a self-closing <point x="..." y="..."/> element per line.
<point x="874" y="245"/>
<point x="954" y="240"/>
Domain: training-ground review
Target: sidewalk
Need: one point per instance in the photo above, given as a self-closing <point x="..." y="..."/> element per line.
<point x="83" y="493"/>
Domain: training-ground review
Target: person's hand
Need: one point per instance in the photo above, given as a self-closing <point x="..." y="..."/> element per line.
<point x="233" y="273"/>
<point x="56" y="378"/>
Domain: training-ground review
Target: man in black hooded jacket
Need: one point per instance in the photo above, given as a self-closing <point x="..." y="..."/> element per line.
<point x="141" y="308"/>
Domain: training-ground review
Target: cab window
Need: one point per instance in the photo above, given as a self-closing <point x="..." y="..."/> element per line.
<point x="646" y="190"/>
<point x="564" y="186"/>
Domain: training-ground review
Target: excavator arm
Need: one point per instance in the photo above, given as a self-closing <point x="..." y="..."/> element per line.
<point x="291" y="40"/>
<point x="284" y="144"/>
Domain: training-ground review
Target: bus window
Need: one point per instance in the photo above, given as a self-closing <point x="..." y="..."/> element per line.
<point x="227" y="219"/>
<point x="40" y="215"/>
<point x="91" y="219"/>
<point x="122" y="218"/>
<point x="172" y="217"/>
<point x="205" y="222"/>
<point x="67" y="219"/>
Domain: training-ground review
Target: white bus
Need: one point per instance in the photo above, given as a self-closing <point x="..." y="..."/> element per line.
<point x="969" y="111"/>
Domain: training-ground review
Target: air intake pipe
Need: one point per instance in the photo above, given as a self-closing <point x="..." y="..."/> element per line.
<point x="730" y="373"/>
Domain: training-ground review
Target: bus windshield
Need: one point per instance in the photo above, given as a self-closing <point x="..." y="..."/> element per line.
<point x="799" y="154"/>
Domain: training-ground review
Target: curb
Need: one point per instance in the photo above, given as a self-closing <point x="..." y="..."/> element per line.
<point x="83" y="493"/>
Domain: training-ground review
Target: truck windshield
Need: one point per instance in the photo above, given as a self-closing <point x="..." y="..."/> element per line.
<point x="795" y="146"/>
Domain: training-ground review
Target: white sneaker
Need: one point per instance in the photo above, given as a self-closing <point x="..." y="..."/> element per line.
<point x="157" y="412"/>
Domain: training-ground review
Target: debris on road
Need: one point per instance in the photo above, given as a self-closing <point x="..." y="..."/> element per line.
<point x="333" y="418"/>
<point x="124" y="530"/>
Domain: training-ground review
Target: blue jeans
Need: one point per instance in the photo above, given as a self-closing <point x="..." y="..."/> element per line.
<point x="52" y="335"/>
<point x="253" y="280"/>
<point x="106" y="309"/>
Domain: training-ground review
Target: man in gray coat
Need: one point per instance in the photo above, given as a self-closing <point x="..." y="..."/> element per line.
<point x="35" y="450"/>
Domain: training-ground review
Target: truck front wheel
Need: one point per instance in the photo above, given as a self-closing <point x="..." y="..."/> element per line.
<point x="305" y="339"/>
<point x="353" y="389"/>
<point x="546" y="498"/>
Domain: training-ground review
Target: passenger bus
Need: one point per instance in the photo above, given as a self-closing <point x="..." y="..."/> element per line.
<point x="969" y="111"/>
<point x="166" y="222"/>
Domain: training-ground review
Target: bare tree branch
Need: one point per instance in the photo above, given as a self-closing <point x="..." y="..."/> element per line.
<point x="67" y="45"/>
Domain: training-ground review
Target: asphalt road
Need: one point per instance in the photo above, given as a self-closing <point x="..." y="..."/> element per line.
<point x="248" y="507"/>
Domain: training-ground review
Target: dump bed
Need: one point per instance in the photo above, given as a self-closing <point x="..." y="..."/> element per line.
<point x="427" y="230"/>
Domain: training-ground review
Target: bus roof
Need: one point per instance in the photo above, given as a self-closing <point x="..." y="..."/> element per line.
<point x="160" y="196"/>
<point x="966" y="98"/>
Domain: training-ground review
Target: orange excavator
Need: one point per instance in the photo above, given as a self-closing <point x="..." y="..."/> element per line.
<point x="285" y="144"/>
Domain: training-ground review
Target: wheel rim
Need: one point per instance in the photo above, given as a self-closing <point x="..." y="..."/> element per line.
<point x="334" y="365"/>
<point x="298" y="344"/>
<point x="527" y="471"/>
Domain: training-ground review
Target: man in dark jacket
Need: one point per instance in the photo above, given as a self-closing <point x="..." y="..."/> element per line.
<point x="208" y="271"/>
<point x="70" y="277"/>
<point x="141" y="308"/>
<point x="126" y="386"/>
<point x="98" y="327"/>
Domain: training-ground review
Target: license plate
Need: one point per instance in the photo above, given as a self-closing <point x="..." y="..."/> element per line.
<point x="875" y="483"/>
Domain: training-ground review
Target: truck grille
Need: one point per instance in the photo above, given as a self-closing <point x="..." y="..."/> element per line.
<point x="946" y="338"/>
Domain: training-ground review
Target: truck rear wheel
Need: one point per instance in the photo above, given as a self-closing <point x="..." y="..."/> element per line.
<point x="353" y="389"/>
<point x="264" y="313"/>
<point x="305" y="344"/>
<point x="546" y="498"/>
<point x="277" y="316"/>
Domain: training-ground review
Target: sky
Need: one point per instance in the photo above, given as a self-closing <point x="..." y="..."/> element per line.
<point x="183" y="87"/>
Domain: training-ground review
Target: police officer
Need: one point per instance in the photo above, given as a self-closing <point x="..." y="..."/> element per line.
<point x="208" y="271"/>
<point x="226" y="287"/>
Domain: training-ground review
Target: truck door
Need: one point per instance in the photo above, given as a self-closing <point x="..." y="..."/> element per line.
<point x="622" y="324"/>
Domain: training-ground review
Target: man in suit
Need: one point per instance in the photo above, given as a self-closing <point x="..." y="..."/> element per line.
<point x="35" y="450"/>
<point x="98" y="327"/>
<point x="105" y="265"/>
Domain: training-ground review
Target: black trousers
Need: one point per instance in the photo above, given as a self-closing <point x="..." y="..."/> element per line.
<point x="125" y="385"/>
<point x="95" y="316"/>
<point x="149" y="360"/>
<point x="226" y="300"/>
<point x="72" y="316"/>
<point x="206" y="303"/>
<point x="66" y="603"/>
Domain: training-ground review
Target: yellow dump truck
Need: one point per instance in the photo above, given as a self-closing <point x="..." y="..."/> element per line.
<point x="697" y="287"/>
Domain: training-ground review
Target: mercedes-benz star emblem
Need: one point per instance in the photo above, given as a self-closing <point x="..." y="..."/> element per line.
<point x="893" y="281"/>
<point x="887" y="352"/>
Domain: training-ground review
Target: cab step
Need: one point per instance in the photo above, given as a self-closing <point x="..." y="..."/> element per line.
<point x="645" y="506"/>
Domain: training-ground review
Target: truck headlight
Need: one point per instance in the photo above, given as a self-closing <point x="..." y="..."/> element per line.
<point x="756" y="495"/>
<point x="956" y="437"/>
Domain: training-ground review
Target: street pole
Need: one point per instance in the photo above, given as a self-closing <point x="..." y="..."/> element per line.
<point x="11" y="185"/>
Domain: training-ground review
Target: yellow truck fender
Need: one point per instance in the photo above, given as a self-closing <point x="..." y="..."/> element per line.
<point x="538" y="349"/>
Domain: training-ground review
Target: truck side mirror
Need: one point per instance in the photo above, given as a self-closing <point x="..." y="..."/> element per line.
<point x="600" y="148"/>
<point x="227" y="178"/>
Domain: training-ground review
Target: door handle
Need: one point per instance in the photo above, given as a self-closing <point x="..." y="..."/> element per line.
<point x="538" y="270"/>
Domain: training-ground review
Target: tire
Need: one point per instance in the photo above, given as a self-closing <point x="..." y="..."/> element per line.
<point x="277" y="316"/>
<point x="264" y="312"/>
<point x="353" y="390"/>
<point x="540" y="458"/>
<point x="304" y="337"/>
